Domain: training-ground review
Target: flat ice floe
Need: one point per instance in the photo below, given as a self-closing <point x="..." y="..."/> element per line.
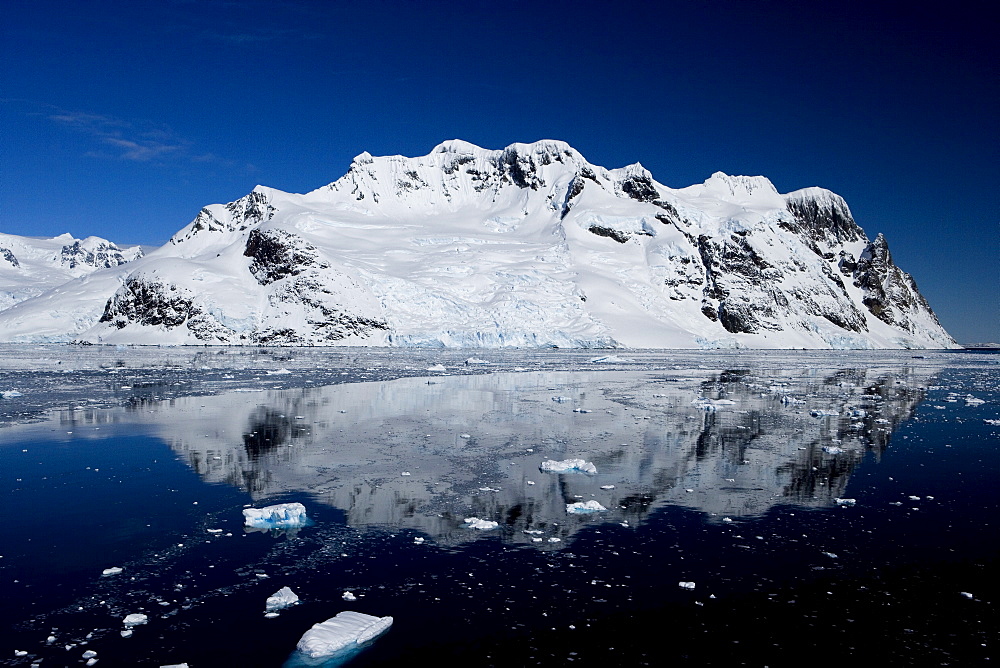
<point x="342" y="633"/>
<point x="584" y="507"/>
<point x="568" y="466"/>
<point x="280" y="516"/>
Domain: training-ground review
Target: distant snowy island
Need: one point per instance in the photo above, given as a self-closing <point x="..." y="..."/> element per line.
<point x="528" y="246"/>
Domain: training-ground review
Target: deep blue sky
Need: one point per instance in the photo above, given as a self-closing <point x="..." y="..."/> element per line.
<point x="123" y="119"/>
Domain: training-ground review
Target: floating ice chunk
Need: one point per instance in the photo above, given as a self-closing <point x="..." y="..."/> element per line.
<point x="280" y="516"/>
<point x="582" y="410"/>
<point x="437" y="367"/>
<point x="280" y="600"/>
<point x="832" y="450"/>
<point x="348" y="596"/>
<point x="974" y="401"/>
<point x="583" y="507"/>
<point x="135" y="619"/>
<point x="553" y="539"/>
<point x="686" y="585"/>
<point x="175" y="665"/>
<point x="20" y="652"/>
<point x="995" y="423"/>
<point x="482" y="525"/>
<point x="10" y="394"/>
<point x="611" y="359"/>
<point x="791" y="400"/>
<point x="114" y="570"/>
<point x="278" y="372"/>
<point x="966" y="594"/>
<point x="845" y="502"/>
<point x="465" y="435"/>
<point x="345" y="631"/>
<point x="475" y="360"/>
<point x="568" y="466"/>
<point x="561" y="399"/>
<point x="832" y="555"/>
<point x="712" y="404"/>
<point x="89" y="654"/>
<point x="607" y="486"/>
<point x="818" y="412"/>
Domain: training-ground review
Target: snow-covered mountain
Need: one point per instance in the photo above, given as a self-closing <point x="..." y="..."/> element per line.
<point x="29" y="266"/>
<point x="526" y="246"/>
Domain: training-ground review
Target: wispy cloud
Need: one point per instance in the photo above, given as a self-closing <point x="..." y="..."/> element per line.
<point x="119" y="138"/>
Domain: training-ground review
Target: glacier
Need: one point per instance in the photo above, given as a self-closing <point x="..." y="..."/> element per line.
<point x="527" y="246"/>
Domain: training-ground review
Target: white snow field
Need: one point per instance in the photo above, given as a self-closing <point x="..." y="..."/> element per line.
<point x="529" y="246"/>
<point x="30" y="266"/>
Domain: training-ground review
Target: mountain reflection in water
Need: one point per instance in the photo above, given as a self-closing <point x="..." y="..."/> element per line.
<point x="424" y="454"/>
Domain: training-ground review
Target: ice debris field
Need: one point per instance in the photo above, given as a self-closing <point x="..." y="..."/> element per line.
<point x="849" y="493"/>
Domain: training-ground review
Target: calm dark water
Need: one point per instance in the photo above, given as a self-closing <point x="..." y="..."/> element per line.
<point x="723" y="472"/>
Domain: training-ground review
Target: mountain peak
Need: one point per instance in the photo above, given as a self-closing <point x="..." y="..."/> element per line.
<point x="456" y="146"/>
<point x="528" y="245"/>
<point x="741" y="187"/>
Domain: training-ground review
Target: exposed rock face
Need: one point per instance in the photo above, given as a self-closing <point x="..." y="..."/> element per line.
<point x="240" y="215"/>
<point x="147" y="301"/>
<point x="277" y="254"/>
<point x="530" y="245"/>
<point x="8" y="256"/>
<point x="99" y="254"/>
<point x="891" y="295"/>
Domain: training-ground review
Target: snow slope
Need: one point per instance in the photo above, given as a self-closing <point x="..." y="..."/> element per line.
<point x="526" y="246"/>
<point x="29" y="266"/>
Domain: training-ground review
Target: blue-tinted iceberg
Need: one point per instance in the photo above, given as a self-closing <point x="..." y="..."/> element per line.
<point x="582" y="507"/>
<point x="338" y="638"/>
<point x="568" y="466"/>
<point x="280" y="516"/>
<point x="280" y="600"/>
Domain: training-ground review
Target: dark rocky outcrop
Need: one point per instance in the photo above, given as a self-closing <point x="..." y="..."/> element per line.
<point x="277" y="254"/>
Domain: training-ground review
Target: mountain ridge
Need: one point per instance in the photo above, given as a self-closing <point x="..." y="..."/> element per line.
<point x="529" y="245"/>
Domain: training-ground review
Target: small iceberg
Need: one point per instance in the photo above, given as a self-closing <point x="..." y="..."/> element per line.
<point x="582" y="508"/>
<point x="482" y="525"/>
<point x="710" y="405"/>
<point x="135" y="619"/>
<point x="281" y="599"/>
<point x="568" y="466"/>
<point x="337" y="638"/>
<point x="280" y="516"/>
